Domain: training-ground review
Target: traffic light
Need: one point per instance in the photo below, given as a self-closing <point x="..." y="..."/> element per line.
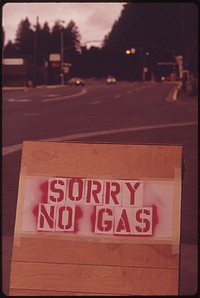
<point x="130" y="51"/>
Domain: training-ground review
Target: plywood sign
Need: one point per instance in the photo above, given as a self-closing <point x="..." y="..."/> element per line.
<point x="97" y="219"/>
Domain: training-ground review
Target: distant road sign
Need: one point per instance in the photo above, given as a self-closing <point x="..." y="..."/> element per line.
<point x="13" y="61"/>
<point x="54" y="57"/>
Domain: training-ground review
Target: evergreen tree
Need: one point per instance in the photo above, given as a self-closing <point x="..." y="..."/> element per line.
<point x="56" y="37"/>
<point x="162" y="29"/>
<point x="72" y="36"/>
<point x="11" y="50"/>
<point x="43" y="43"/>
<point x="25" y="39"/>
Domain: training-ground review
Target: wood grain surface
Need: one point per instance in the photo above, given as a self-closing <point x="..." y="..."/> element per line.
<point x="47" y="266"/>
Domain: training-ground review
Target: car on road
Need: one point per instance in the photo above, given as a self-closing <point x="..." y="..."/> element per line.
<point x="111" y="80"/>
<point x="76" y="82"/>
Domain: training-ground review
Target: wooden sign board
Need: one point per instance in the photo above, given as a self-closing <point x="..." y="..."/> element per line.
<point x="97" y="219"/>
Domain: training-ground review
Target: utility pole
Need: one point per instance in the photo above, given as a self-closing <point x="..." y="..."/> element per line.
<point x="141" y="64"/>
<point x="61" y="55"/>
<point x="35" y="54"/>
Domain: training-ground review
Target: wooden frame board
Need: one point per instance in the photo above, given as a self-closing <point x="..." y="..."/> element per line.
<point x="61" y="264"/>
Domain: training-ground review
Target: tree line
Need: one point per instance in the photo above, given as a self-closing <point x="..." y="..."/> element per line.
<point x="155" y="30"/>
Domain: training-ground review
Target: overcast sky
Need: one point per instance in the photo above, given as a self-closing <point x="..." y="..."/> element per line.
<point x="94" y="20"/>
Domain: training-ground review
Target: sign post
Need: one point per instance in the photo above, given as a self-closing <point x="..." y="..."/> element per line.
<point x="97" y="219"/>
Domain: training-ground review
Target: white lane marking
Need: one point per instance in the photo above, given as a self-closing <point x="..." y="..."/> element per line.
<point x="129" y="92"/>
<point x="52" y="95"/>
<point x="19" y="100"/>
<point x="83" y="91"/>
<point x="13" y="148"/>
<point x="118" y="95"/>
<point x="95" y="102"/>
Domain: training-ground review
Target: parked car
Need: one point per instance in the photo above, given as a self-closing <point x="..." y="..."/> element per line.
<point x="76" y="82"/>
<point x="111" y="80"/>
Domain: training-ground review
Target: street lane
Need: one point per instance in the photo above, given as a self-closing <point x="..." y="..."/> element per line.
<point x="102" y="107"/>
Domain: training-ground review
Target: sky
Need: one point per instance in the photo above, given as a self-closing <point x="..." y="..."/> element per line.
<point x="94" y="20"/>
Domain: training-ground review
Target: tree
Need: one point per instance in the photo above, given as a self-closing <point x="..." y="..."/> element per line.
<point x="162" y="29"/>
<point x="43" y="43"/>
<point x="72" y="36"/>
<point x="56" y="37"/>
<point x="11" y="50"/>
<point x="153" y="23"/>
<point x="25" y="38"/>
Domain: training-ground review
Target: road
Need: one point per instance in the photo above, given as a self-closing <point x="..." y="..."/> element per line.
<point x="128" y="112"/>
<point x="44" y="114"/>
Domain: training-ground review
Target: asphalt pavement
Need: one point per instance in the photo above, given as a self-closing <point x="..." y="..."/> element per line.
<point x="189" y="285"/>
<point x="189" y="251"/>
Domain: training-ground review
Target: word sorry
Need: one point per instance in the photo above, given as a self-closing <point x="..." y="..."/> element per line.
<point x="107" y="207"/>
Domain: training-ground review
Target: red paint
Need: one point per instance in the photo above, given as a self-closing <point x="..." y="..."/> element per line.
<point x="68" y="224"/>
<point x="93" y="219"/>
<point x="123" y="223"/>
<point x="71" y="183"/>
<point x="48" y="215"/>
<point x="43" y="199"/>
<point x="112" y="189"/>
<point x="54" y="189"/>
<point x="155" y="219"/>
<point x="132" y="191"/>
<point x="78" y="215"/>
<point x="142" y="220"/>
<point x="105" y="225"/>
<point x="93" y="193"/>
<point x="112" y="193"/>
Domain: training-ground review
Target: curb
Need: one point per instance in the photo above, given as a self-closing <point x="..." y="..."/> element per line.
<point x="173" y="95"/>
<point x="176" y="92"/>
<point x="32" y="88"/>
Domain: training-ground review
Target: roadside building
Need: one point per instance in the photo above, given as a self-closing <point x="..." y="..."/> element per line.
<point x="14" y="72"/>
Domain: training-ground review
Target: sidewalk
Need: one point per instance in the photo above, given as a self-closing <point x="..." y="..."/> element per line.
<point x="184" y="97"/>
<point x="189" y="93"/>
<point x="189" y="252"/>
<point x="180" y="96"/>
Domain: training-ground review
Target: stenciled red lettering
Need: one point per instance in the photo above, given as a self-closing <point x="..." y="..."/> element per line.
<point x="68" y="212"/>
<point x="123" y="224"/>
<point x="102" y="224"/>
<point x="112" y="193"/>
<point x="75" y="185"/>
<point x="93" y="193"/>
<point x="55" y="188"/>
<point x="46" y="215"/>
<point x="132" y="191"/>
<point x="143" y="220"/>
